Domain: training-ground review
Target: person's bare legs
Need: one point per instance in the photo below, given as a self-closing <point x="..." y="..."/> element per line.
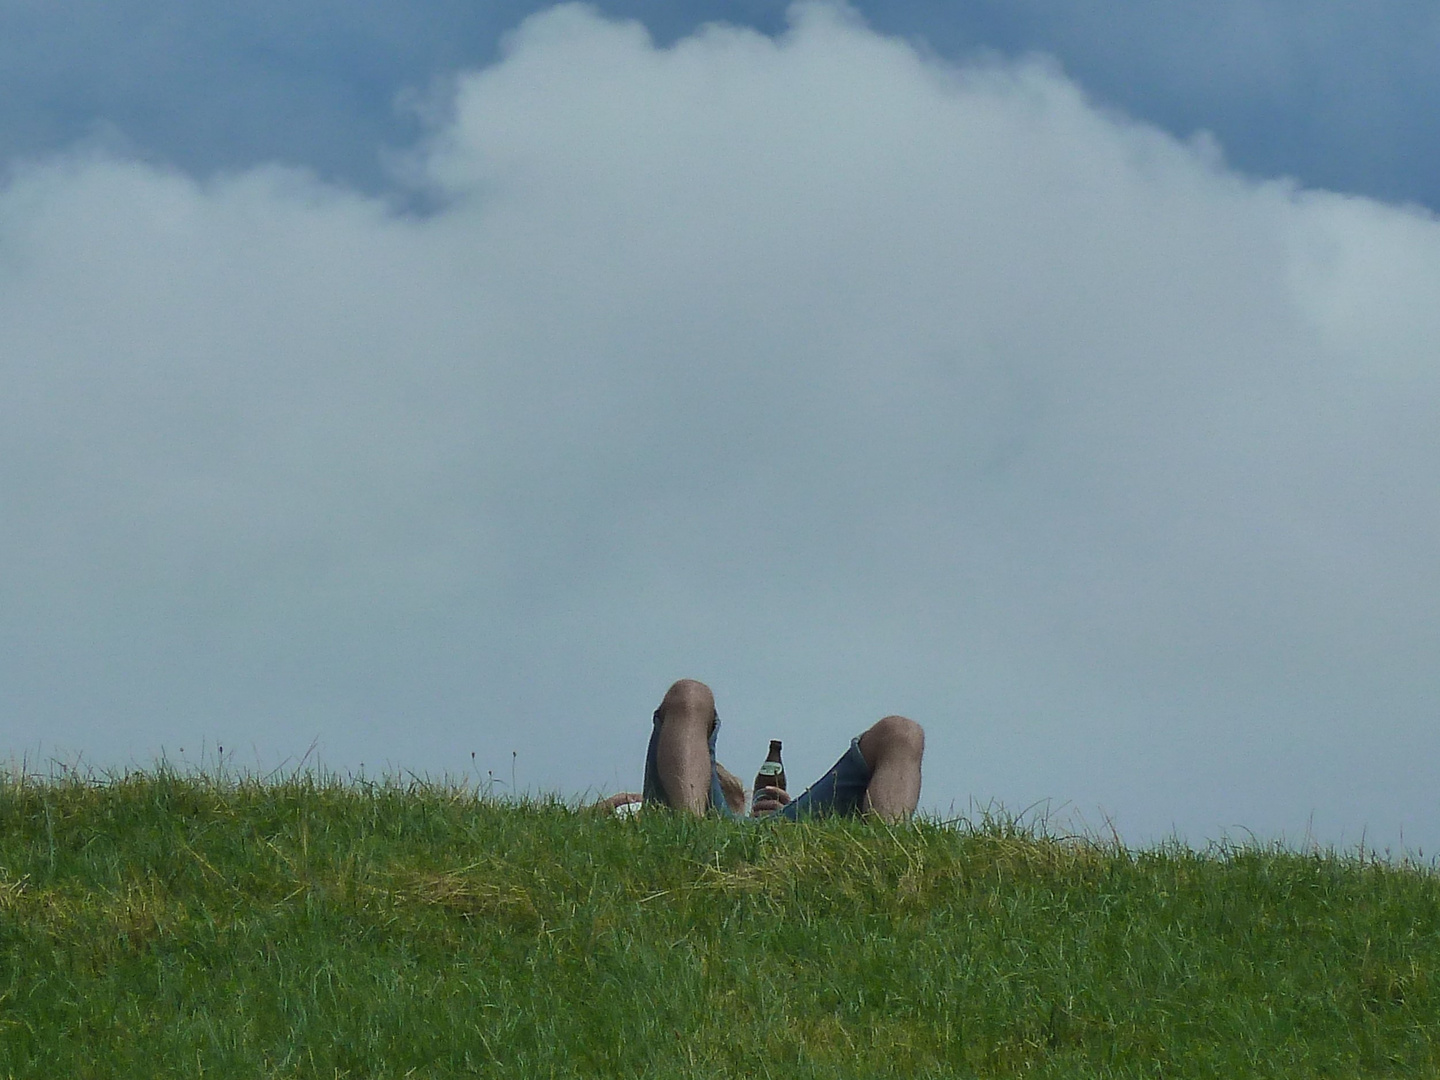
<point x="893" y="749"/>
<point x="682" y="755"/>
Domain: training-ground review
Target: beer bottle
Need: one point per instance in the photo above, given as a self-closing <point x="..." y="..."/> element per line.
<point x="772" y="770"/>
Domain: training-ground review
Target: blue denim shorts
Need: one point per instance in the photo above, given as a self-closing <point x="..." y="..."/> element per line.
<point x="841" y="791"/>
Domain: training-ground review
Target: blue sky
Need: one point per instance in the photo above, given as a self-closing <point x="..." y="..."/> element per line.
<point x="1336" y="94"/>
<point x="416" y="382"/>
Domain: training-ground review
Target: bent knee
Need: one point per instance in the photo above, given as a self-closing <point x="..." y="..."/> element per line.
<point x="900" y="735"/>
<point x="689" y="697"/>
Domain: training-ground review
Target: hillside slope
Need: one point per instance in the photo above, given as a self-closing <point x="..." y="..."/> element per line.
<point x="158" y="925"/>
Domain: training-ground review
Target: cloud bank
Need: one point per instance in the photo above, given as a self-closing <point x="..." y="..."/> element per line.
<point x="847" y="380"/>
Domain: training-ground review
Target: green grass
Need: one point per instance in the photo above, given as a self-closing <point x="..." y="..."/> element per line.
<point x="159" y="925"/>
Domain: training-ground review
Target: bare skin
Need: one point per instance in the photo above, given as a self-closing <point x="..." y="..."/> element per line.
<point x="892" y="748"/>
<point x="619" y="799"/>
<point x="682" y="755"/>
<point x="729" y="783"/>
<point x="733" y="787"/>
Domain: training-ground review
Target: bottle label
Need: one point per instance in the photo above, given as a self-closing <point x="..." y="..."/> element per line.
<point x="770" y="768"/>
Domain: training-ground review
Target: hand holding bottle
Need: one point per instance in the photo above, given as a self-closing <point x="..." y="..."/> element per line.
<point x="770" y="794"/>
<point x="768" y="800"/>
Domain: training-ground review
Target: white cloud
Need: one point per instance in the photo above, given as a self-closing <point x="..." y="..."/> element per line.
<point x="846" y="380"/>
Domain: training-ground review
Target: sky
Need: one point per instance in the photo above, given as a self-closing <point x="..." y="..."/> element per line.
<point x="419" y="390"/>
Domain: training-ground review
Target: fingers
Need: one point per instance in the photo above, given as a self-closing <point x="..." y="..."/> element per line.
<point x="770" y="799"/>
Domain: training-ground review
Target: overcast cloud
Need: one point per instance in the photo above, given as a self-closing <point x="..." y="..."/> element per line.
<point x="844" y="379"/>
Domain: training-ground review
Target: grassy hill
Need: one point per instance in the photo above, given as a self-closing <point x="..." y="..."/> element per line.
<point x="158" y="925"/>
